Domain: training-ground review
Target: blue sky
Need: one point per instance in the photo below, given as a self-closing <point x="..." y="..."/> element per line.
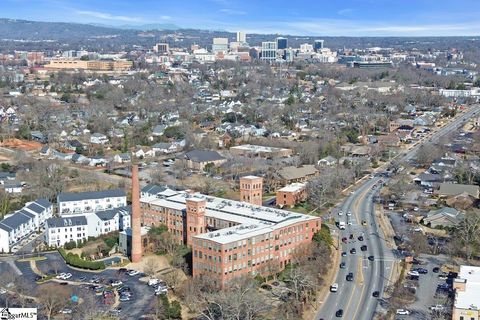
<point x="296" y="17"/>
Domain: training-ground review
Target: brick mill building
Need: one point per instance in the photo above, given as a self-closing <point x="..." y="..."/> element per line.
<point x="230" y="238"/>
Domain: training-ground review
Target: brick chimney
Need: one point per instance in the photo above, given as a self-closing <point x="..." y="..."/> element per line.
<point x="136" y="253"/>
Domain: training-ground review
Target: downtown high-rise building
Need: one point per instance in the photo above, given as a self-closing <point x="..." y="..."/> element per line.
<point x="241" y="37"/>
<point x="282" y="43"/>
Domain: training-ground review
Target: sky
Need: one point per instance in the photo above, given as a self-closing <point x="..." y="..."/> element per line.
<point x="293" y="17"/>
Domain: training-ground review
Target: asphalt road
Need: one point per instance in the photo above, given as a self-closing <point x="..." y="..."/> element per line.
<point x="355" y="297"/>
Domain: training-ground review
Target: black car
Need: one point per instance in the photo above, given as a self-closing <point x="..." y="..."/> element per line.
<point x="351" y="236"/>
<point x="344" y="254"/>
<point x="360" y="238"/>
<point x="436" y="270"/>
<point x="339" y="313"/>
<point x="342" y="265"/>
<point x="421" y="270"/>
<point x="376" y="294"/>
<point x="350" y="277"/>
<point x="371" y="258"/>
<point x="363" y="248"/>
<point x="353" y="251"/>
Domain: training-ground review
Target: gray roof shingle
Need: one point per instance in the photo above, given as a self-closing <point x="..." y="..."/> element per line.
<point x="66" y="222"/>
<point x="202" y="155"/>
<point x="79" y="196"/>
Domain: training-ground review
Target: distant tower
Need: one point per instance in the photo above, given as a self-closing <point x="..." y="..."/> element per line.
<point x="241" y="37"/>
<point x="195" y="217"/>
<point x="282" y="43"/>
<point x="136" y="254"/>
<point x="251" y="188"/>
<point x="318" y="45"/>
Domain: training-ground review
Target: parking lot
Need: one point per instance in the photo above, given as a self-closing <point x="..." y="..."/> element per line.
<point x="140" y="294"/>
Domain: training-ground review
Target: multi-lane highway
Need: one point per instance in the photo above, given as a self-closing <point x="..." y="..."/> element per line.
<point x="355" y="298"/>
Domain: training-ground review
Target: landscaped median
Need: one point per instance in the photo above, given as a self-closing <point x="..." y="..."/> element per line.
<point x="75" y="261"/>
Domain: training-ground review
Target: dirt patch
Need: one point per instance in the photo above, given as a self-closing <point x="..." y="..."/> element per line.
<point x="21" y="144"/>
<point x="161" y="263"/>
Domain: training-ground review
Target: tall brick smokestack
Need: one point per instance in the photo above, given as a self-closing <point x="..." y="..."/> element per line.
<point x="136" y="254"/>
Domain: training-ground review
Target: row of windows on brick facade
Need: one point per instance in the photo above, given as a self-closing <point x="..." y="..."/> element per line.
<point x="235" y="267"/>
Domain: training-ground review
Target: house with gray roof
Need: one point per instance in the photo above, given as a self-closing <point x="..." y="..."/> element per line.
<point x="20" y="224"/>
<point x="453" y="189"/>
<point x="72" y="203"/>
<point x="198" y="159"/>
<point x="445" y="217"/>
<point x="59" y="231"/>
<point x="106" y="221"/>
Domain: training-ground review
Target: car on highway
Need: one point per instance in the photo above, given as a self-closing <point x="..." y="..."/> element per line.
<point x="341" y="225"/>
<point x="349" y="213"/>
<point x="344" y="254"/>
<point x="353" y="251"/>
<point x="371" y="258"/>
<point x="349" y="222"/>
<point x="334" y="287"/>
<point x="364" y="223"/>
<point x="360" y="238"/>
<point x="349" y="277"/>
<point x="403" y="312"/>
<point x="339" y="313"/>
<point x="344" y="240"/>
<point x="340" y="213"/>
<point x="342" y="265"/>
<point x="376" y="294"/>
<point x="363" y="248"/>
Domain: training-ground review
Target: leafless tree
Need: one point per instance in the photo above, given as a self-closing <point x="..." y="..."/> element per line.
<point x="53" y="297"/>
<point x="468" y="231"/>
<point x="150" y="266"/>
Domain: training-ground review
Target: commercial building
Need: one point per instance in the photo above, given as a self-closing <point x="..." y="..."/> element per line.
<point x="282" y="43"/>
<point x="99" y="65"/>
<point x="22" y="223"/>
<point x="250" y="150"/>
<point x="318" y="45"/>
<point x="467" y="294"/>
<point x="161" y="48"/>
<point x="70" y="203"/>
<point x="198" y="159"/>
<point x="269" y="51"/>
<point x="241" y="37"/>
<point x="291" y="174"/>
<point x="291" y="194"/>
<point x="230" y="238"/>
<point x="220" y="45"/>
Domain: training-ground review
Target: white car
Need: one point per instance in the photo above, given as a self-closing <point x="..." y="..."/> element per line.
<point x="152" y="282"/>
<point x="117" y="283"/>
<point x="67" y="276"/>
<point x="3" y="290"/>
<point x="349" y="213"/>
<point x="414" y="273"/>
<point x="133" y="273"/>
<point x="334" y="287"/>
<point x="61" y="276"/>
<point x="437" y="307"/>
<point x="340" y="213"/>
<point x="403" y="312"/>
<point x="349" y="222"/>
<point x="66" y="311"/>
<point x="161" y="290"/>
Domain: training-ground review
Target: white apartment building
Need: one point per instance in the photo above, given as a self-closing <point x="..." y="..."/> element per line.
<point x="21" y="224"/>
<point x="88" y="202"/>
<point x="63" y="230"/>
<point x="107" y="221"/>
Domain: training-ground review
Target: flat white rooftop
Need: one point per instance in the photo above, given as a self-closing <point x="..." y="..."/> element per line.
<point x="256" y="148"/>
<point x="468" y="299"/>
<point x="293" y="187"/>
<point x="252" y="219"/>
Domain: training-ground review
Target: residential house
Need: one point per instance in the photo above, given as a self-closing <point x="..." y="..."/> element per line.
<point x="158" y="130"/>
<point x="445" y="217"/>
<point x="122" y="158"/>
<point x="70" y="203"/>
<point x="97" y="161"/>
<point x="74" y="145"/>
<point x="12" y="187"/>
<point x="21" y="224"/>
<point x="60" y="231"/>
<point x="80" y="159"/>
<point x="291" y="174"/>
<point x="98" y="138"/>
<point x="106" y="221"/>
<point x="327" y="161"/>
<point x="452" y="189"/>
<point x="198" y="159"/>
<point x="6" y="177"/>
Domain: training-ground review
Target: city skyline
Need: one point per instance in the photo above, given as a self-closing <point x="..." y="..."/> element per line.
<point x="348" y="18"/>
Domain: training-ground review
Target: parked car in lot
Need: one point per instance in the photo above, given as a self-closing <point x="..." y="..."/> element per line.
<point x="133" y="273"/>
<point x="436" y="270"/>
<point x="153" y="281"/>
<point x="437" y="307"/>
<point x="117" y="283"/>
<point x="404" y="312"/>
<point x="443" y="276"/>
<point x="413" y="273"/>
<point x="65" y="311"/>
<point x="421" y="270"/>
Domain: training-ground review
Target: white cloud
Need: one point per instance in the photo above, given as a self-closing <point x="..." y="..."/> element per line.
<point x="165" y="17"/>
<point x="345" y="12"/>
<point x="108" y="16"/>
